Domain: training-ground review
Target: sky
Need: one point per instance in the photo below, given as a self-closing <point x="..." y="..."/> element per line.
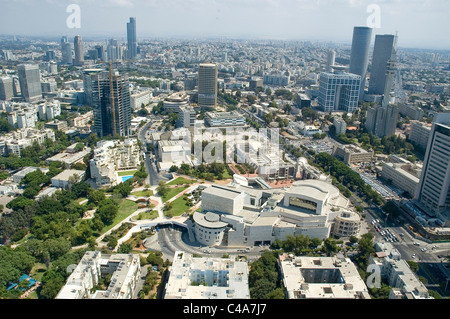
<point x="418" y="23"/>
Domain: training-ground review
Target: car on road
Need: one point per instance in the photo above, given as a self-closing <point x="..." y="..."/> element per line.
<point x="413" y="256"/>
<point x="416" y="244"/>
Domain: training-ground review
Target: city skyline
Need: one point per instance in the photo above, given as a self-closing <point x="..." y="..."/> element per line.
<point x="415" y="21"/>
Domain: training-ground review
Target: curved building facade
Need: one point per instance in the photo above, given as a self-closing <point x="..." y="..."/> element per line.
<point x="209" y="229"/>
<point x="347" y="224"/>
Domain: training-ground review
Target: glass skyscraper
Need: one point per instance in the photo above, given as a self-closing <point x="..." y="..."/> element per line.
<point x="207" y="85"/>
<point x="359" y="56"/>
<point x="385" y="46"/>
<point x="339" y="91"/>
<point x="30" y="82"/>
<point x="433" y="192"/>
<point x="131" y="38"/>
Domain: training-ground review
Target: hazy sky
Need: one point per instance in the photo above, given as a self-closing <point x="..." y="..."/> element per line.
<point x="419" y="23"/>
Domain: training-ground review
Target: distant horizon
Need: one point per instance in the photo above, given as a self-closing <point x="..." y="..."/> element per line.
<point x="121" y="38"/>
<point x="421" y="24"/>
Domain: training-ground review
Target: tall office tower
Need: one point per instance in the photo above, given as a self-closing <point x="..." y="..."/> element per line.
<point x="66" y="51"/>
<point x="382" y="121"/>
<point x="359" y="56"/>
<point x="131" y="38"/>
<point x="111" y="108"/>
<point x="330" y="61"/>
<point x="6" y="88"/>
<point x="30" y="82"/>
<point x="113" y="50"/>
<point x="385" y="45"/>
<point x="433" y="192"/>
<point x="207" y="85"/>
<point x="339" y="91"/>
<point x="79" y="50"/>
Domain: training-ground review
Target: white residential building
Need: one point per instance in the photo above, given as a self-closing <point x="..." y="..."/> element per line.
<point x="321" y="278"/>
<point x="124" y="268"/>
<point x="112" y="156"/>
<point x="14" y="142"/>
<point x="67" y="177"/>
<point x="207" y="278"/>
<point x="397" y="273"/>
<point x="137" y="98"/>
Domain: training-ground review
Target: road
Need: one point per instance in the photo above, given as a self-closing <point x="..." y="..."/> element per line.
<point x="150" y="164"/>
<point x="170" y="239"/>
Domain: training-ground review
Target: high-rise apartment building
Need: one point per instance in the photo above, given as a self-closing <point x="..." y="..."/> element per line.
<point x="66" y="51"/>
<point x="385" y="46"/>
<point x="207" y="85"/>
<point x="79" y="50"/>
<point x="339" y="91"/>
<point x="433" y="191"/>
<point x="6" y="88"/>
<point x="359" y="56"/>
<point x="131" y="38"/>
<point x="110" y="100"/>
<point x="30" y="82"/>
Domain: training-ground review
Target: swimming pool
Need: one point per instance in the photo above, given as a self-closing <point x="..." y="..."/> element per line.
<point x="124" y="178"/>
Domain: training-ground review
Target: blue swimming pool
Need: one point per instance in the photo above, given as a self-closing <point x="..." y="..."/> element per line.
<point x="124" y="178"/>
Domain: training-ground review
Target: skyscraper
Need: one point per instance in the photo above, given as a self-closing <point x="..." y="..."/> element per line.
<point x="66" y="51"/>
<point x="385" y="45"/>
<point x="6" y="88"/>
<point x="433" y="192"/>
<point x="382" y="120"/>
<point x="359" y="56"/>
<point x="338" y="91"/>
<point x="131" y="38"/>
<point x="110" y="101"/>
<point x="30" y="82"/>
<point x="330" y="61"/>
<point x="207" y="85"/>
<point x="79" y="50"/>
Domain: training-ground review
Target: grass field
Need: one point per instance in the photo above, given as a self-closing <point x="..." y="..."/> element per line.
<point x="179" y="206"/>
<point x="126" y="208"/>
<point x="143" y="193"/>
<point x="147" y="215"/>
<point x="181" y="181"/>
<point x="173" y="192"/>
<point x="127" y="173"/>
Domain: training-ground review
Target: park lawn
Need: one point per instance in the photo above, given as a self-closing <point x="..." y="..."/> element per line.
<point x="181" y="181"/>
<point x="147" y="215"/>
<point x="127" y="173"/>
<point x="179" y="206"/>
<point x="173" y="192"/>
<point x="143" y="193"/>
<point x="126" y="208"/>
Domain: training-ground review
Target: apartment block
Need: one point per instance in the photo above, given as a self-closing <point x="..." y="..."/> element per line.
<point x="125" y="271"/>
<point x="207" y="278"/>
<point x="352" y="154"/>
<point x="419" y="134"/>
<point x="397" y="273"/>
<point x="321" y="278"/>
<point x="404" y="176"/>
<point x="111" y="156"/>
